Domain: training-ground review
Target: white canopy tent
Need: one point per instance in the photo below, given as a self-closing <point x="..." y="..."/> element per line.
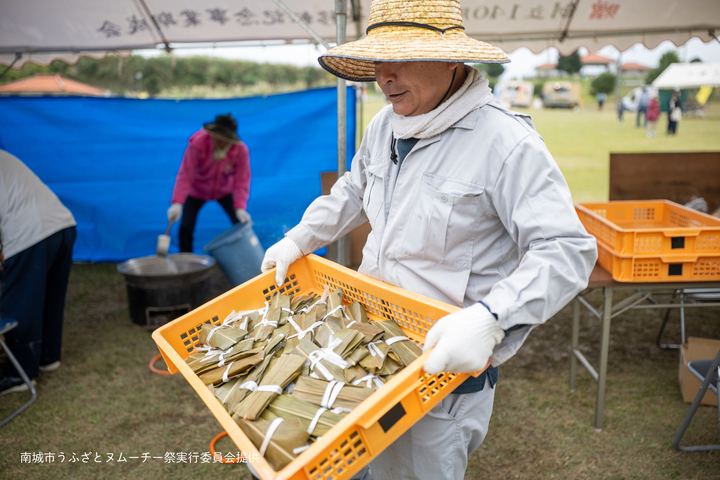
<point x="688" y="75"/>
<point x="42" y="30"/>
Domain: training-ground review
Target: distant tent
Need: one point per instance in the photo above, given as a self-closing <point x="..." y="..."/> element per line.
<point x="51" y="85"/>
<point x="688" y="75"/>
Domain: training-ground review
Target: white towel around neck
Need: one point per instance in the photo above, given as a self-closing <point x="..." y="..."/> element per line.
<point x="474" y="93"/>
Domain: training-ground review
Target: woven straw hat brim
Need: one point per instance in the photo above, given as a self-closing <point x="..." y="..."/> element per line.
<point x="227" y="136"/>
<point x="355" y="61"/>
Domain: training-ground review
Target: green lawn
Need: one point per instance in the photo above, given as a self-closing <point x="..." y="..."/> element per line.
<point x="104" y="399"/>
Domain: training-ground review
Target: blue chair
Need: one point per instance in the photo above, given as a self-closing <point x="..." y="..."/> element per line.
<point x="709" y="372"/>
<point x="7" y="324"/>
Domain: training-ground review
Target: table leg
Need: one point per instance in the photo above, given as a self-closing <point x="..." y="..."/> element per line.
<point x="574" y="344"/>
<point x="604" y="347"/>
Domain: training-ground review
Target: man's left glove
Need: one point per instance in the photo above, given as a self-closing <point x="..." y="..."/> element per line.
<point x="463" y="341"/>
<point x="242" y="215"/>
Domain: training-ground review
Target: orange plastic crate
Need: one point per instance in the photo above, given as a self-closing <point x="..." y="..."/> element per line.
<point x="650" y="228"/>
<point x="375" y="423"/>
<point x="662" y="268"/>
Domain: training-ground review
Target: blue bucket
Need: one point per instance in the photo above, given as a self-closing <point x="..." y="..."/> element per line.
<point x="238" y="252"/>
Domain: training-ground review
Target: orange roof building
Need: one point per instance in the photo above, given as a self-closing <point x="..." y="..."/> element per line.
<point x="595" y="59"/>
<point x="547" y="66"/>
<point x="51" y="85"/>
<point x="634" y="66"/>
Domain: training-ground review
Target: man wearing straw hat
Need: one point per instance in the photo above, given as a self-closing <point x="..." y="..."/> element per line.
<point x="467" y="206"/>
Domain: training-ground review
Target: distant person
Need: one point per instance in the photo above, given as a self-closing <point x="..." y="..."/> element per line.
<point x="643" y="103"/>
<point x="601" y="97"/>
<point x="620" y="110"/>
<point x="674" y="113"/>
<point x="37" y="234"/>
<point x="216" y="166"/>
<point x="653" y="113"/>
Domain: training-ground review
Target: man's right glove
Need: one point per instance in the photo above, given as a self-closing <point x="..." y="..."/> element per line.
<point x="463" y="341"/>
<point x="281" y="255"/>
<point x="174" y="212"/>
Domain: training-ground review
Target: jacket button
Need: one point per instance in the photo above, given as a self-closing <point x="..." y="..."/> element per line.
<point x="443" y="198"/>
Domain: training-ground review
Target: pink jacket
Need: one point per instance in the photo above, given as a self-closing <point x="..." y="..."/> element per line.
<point x="201" y="176"/>
<point x="653" y="111"/>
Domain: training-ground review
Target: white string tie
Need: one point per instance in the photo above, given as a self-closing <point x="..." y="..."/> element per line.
<point x="392" y="340"/>
<point x="214" y="352"/>
<point x="225" y="375"/>
<point x="331" y="393"/>
<point x="375" y="351"/>
<point x="207" y="340"/>
<point x="332" y="311"/>
<point x="319" y="413"/>
<point x="268" y="435"/>
<point x="327" y="354"/>
<point x="301" y="333"/>
<point x="369" y="381"/>
<point x="307" y="309"/>
<point x="299" y="450"/>
<point x="235" y="316"/>
<point x="253" y="387"/>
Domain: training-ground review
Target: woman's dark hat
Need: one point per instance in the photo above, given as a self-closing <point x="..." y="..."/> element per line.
<point x="224" y="127"/>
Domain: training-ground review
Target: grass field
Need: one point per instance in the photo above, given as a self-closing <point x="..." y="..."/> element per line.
<point x="104" y="399"/>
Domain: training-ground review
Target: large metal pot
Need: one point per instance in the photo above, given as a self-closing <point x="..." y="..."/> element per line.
<point x="161" y="289"/>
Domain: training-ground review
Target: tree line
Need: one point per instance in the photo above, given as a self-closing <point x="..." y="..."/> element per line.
<point x="154" y="75"/>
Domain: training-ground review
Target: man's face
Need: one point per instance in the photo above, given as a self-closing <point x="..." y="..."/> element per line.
<point x="414" y="88"/>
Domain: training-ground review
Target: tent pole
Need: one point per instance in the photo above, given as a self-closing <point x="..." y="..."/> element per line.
<point x="358" y="98"/>
<point x="341" y="18"/>
<point x="300" y="22"/>
<point x="18" y="56"/>
<point x="157" y="25"/>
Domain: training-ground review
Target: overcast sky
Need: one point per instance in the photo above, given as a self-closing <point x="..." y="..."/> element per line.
<point x="523" y="61"/>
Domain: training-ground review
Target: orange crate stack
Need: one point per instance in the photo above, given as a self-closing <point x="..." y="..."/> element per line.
<point x="374" y="424"/>
<point x="653" y="240"/>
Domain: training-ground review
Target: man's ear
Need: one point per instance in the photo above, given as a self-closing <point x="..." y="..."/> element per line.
<point x="452" y="66"/>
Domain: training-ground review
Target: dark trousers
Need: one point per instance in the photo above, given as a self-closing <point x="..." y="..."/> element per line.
<point x="672" y="127"/>
<point x="642" y="111"/>
<point x="34" y="284"/>
<point x="189" y="218"/>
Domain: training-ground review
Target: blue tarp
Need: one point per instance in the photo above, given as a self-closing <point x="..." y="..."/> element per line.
<point x="113" y="161"/>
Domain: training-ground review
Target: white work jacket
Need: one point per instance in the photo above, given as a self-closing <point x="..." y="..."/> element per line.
<point x="479" y="212"/>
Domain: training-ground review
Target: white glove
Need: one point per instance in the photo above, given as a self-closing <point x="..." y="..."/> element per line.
<point x="242" y="215"/>
<point x="281" y="255"/>
<point x="174" y="212"/>
<point x="463" y="341"/>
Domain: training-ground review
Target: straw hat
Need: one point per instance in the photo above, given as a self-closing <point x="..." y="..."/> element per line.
<point x="224" y="127"/>
<point x="409" y="31"/>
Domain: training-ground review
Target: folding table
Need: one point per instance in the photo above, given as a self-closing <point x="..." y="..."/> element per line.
<point x="641" y="299"/>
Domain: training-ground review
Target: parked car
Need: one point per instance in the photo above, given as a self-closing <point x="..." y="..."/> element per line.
<point x="513" y="93"/>
<point x="561" y="94"/>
